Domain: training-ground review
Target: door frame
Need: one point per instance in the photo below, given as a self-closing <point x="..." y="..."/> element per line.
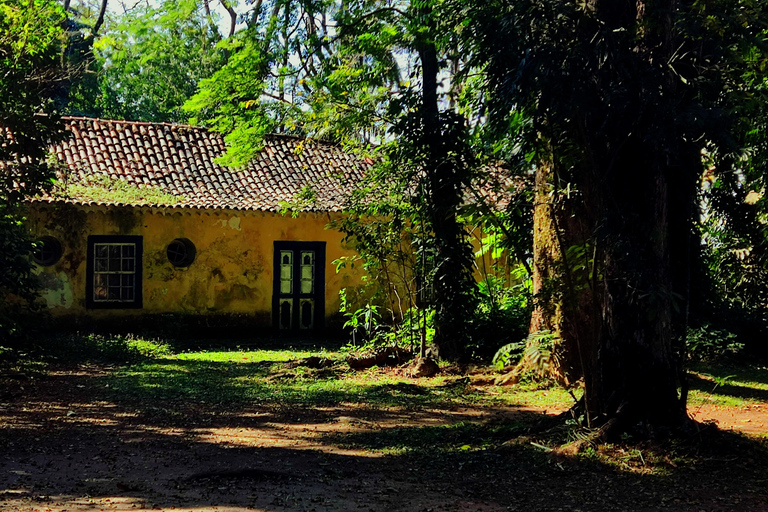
<point x="319" y="289"/>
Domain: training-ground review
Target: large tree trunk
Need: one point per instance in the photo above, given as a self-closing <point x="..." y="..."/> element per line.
<point x="603" y="257"/>
<point x="634" y="378"/>
<point x="562" y="280"/>
<point x="604" y="290"/>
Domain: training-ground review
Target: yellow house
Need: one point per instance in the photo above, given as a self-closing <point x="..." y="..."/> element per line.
<point x="146" y="224"/>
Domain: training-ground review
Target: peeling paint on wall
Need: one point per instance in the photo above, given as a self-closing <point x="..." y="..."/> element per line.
<point x="232" y="223"/>
<point x="56" y="290"/>
<point x="231" y="272"/>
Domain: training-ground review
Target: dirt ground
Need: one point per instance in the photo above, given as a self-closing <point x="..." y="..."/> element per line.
<point x="63" y="448"/>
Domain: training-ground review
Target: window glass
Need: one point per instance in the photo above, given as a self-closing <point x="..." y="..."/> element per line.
<point x="114" y="270"/>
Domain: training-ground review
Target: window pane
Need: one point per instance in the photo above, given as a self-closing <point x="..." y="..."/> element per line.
<point x="113" y="293"/>
<point x="286" y="312"/>
<point x="307" y="272"/>
<point x="286" y="272"/>
<point x="114" y="278"/>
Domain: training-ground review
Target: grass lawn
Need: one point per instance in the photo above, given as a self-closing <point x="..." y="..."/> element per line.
<point x="149" y="425"/>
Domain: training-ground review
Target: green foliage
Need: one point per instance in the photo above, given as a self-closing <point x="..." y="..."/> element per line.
<point x="538" y="351"/>
<point x="304" y="200"/>
<point x="734" y="232"/>
<point x="18" y="284"/>
<point x="102" y="188"/>
<point x="102" y="348"/>
<point x="263" y="87"/>
<point x="508" y="354"/>
<point x="362" y="322"/>
<point x="31" y="77"/>
<point x="503" y="312"/>
<point x="709" y="343"/>
<point x="226" y="102"/>
<point x="150" y="62"/>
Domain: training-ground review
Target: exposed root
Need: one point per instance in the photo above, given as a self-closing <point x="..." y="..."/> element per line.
<point x="424" y="367"/>
<point x="313" y="362"/>
<point x="389" y="356"/>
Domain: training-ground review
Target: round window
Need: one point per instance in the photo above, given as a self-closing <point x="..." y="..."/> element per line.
<point x="47" y="251"/>
<point x="181" y="252"/>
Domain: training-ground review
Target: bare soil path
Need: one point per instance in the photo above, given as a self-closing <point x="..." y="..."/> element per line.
<point x="62" y="448"/>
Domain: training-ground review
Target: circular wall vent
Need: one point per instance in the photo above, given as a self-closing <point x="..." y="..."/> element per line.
<point x="47" y="252"/>
<point x="181" y="252"/>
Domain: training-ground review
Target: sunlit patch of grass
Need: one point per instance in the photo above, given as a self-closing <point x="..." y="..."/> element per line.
<point x="640" y="459"/>
<point x="244" y="356"/>
<point x="262" y="377"/>
<point x="551" y="397"/>
<point x="696" y="397"/>
<point x="728" y="386"/>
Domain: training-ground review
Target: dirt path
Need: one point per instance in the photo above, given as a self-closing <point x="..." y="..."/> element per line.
<point x="751" y="420"/>
<point x="61" y="451"/>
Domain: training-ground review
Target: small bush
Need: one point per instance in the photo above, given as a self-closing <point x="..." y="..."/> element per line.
<point x="707" y="343"/>
<point x="112" y="348"/>
<point x="502" y="316"/>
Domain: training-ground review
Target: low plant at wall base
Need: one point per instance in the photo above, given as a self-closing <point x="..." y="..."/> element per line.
<point x="501" y="317"/>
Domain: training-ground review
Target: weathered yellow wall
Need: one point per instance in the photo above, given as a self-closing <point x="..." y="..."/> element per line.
<point x="232" y="272"/>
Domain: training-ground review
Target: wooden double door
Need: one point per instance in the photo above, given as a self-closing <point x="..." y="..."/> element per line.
<point x="298" y="298"/>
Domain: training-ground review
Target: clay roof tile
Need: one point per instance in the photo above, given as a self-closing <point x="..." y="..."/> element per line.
<point x="181" y="160"/>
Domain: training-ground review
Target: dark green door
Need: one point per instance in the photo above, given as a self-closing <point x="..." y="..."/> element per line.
<point x="298" y="298"/>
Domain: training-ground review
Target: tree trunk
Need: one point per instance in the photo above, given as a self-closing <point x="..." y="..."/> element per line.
<point x="453" y="282"/>
<point x="604" y="290"/>
<point x="603" y="256"/>
<point x="562" y="295"/>
<point x="634" y="378"/>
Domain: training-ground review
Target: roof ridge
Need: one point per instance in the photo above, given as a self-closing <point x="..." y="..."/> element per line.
<point x="133" y="123"/>
<point x="195" y="127"/>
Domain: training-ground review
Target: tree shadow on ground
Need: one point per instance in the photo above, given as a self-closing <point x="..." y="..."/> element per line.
<point x="73" y="443"/>
<point x="175" y="384"/>
<point x="723" y="386"/>
<point x="111" y="466"/>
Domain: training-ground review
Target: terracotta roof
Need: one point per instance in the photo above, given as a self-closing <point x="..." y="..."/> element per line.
<point x="179" y="160"/>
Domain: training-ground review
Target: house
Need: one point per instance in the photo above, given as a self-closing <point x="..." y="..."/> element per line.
<point x="146" y="226"/>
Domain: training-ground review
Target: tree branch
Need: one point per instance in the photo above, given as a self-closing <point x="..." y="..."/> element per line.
<point x="232" y="16"/>
<point x="100" y="19"/>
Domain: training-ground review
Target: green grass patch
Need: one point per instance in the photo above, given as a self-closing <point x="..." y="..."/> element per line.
<point x="730" y="386"/>
<point x="261" y="377"/>
<point x="86" y="348"/>
<point x="152" y="372"/>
